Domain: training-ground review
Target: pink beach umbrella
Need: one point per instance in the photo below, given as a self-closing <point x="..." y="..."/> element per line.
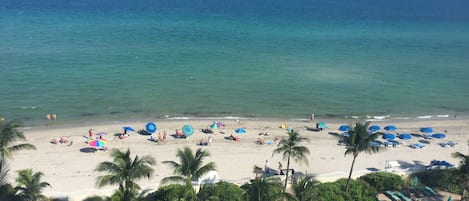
<point x="97" y="143"/>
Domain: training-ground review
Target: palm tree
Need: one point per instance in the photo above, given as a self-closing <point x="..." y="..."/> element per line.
<point x="463" y="172"/>
<point x="29" y="185"/>
<point x="124" y="171"/>
<point x="257" y="170"/>
<point x="190" y="166"/>
<point x="304" y="188"/>
<point x="358" y="140"/>
<point x="290" y="148"/>
<point x="9" y="135"/>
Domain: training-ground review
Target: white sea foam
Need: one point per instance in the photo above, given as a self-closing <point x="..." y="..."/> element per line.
<point x="425" y="117"/>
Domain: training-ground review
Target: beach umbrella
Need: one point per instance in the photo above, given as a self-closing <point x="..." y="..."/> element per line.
<point x="214" y="126"/>
<point x="187" y="130"/>
<point x="389" y="136"/>
<point x="374" y="128"/>
<point x="405" y="136"/>
<point x="426" y="130"/>
<point x="219" y="124"/>
<point x="390" y="128"/>
<point x="240" y="130"/>
<point x="344" y="128"/>
<point x="126" y="128"/>
<point x="322" y="124"/>
<point x="439" y="135"/>
<point x="151" y="127"/>
<point x="101" y="133"/>
<point x="97" y="143"/>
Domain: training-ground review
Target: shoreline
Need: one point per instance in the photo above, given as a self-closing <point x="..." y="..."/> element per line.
<point x="326" y="118"/>
<point x="71" y="171"/>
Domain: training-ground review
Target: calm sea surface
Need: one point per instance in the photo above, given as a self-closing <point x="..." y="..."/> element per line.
<point x="89" y="61"/>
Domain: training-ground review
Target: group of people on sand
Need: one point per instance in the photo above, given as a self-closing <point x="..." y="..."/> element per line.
<point x="209" y="141"/>
<point x="161" y="138"/>
<point x="62" y="140"/>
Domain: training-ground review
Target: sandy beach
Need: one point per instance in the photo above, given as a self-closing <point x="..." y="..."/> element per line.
<point x="71" y="171"/>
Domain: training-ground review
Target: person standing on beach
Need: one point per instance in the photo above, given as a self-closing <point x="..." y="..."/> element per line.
<point x="48" y="116"/>
<point x="90" y="133"/>
<point x="266" y="166"/>
<point x="312" y="117"/>
<point x="54" y="116"/>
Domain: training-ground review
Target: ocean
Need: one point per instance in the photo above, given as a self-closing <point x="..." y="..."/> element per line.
<point x="91" y="61"/>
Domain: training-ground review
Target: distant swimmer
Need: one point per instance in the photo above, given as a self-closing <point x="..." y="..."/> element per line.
<point x="48" y="116"/>
<point x="54" y="116"/>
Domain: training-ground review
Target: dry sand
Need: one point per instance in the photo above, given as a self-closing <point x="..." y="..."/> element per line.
<point x="71" y="172"/>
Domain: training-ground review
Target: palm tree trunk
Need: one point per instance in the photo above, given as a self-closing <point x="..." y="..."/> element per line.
<point x="350" y="174"/>
<point x="286" y="174"/>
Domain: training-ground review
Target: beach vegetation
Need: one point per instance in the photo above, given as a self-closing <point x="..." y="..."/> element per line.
<point x="357" y="141"/>
<point x="176" y="192"/>
<point x="29" y="185"/>
<point x="304" y="188"/>
<point x="290" y="148"/>
<point x="190" y="166"/>
<point x="443" y="179"/>
<point x="124" y="172"/>
<point x="266" y="189"/>
<point x="221" y="191"/>
<point x="463" y="173"/>
<point x="10" y="137"/>
<point x="358" y="190"/>
<point x="383" y="181"/>
<point x="97" y="198"/>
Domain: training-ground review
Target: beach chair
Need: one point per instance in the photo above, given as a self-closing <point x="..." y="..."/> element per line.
<point x="429" y="189"/>
<point x="392" y="196"/>
<point x="404" y="197"/>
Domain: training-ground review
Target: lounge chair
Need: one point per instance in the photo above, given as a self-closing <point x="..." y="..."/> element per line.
<point x="391" y="195"/>
<point x="404" y="197"/>
<point x="429" y="189"/>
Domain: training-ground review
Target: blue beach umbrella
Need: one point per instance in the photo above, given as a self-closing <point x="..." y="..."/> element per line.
<point x="344" y="128"/>
<point x="426" y="130"/>
<point x="187" y="130"/>
<point x="151" y="127"/>
<point x="389" y="136"/>
<point x="405" y="136"/>
<point x="390" y="128"/>
<point x="374" y="128"/>
<point x="240" y="130"/>
<point x="126" y="128"/>
<point x="439" y="135"/>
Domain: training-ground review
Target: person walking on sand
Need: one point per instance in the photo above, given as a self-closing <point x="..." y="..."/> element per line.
<point x="280" y="166"/>
<point x="90" y="133"/>
<point x="266" y="166"/>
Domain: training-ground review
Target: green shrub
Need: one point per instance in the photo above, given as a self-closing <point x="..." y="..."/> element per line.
<point x="447" y="180"/>
<point x="358" y="190"/>
<point x="383" y="181"/>
<point x="221" y="191"/>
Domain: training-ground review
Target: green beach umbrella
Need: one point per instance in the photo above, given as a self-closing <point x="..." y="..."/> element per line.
<point x="322" y="124"/>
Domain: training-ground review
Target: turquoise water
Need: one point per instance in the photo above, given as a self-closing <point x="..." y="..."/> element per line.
<point x="115" y="64"/>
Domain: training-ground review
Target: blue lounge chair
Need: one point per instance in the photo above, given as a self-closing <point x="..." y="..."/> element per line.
<point x="401" y="195"/>
<point x="429" y="189"/>
<point x="391" y="195"/>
